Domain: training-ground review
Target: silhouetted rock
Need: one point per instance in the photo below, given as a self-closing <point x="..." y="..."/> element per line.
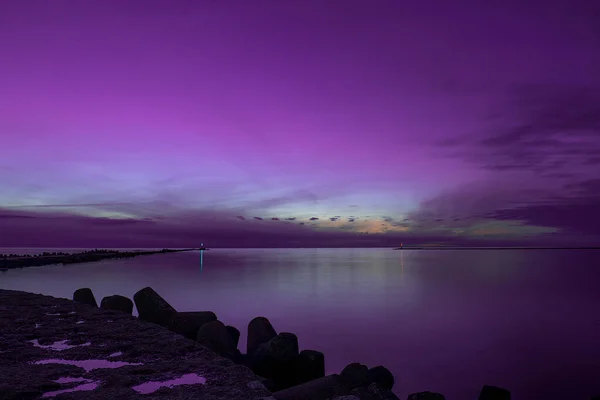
<point x="382" y="376"/>
<point x="153" y="308"/>
<point x="493" y="393"/>
<point x="117" y="303"/>
<point x="277" y="360"/>
<point x="214" y="335"/>
<point x="356" y="374"/>
<point x="374" y="392"/>
<point x="260" y="331"/>
<point x="234" y="333"/>
<point x="310" y="365"/>
<point x="327" y="387"/>
<point x="187" y="323"/>
<point x="426" y="396"/>
<point x="85" y="296"/>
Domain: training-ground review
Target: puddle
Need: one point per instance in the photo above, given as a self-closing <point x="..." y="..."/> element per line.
<point x="188" y="379"/>
<point x="58" y="346"/>
<point x="117" y="354"/>
<point x="78" y="388"/>
<point x="88" y="365"/>
<point x="68" y="379"/>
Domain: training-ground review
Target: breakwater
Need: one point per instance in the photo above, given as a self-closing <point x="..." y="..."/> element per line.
<point x="165" y="345"/>
<point x="10" y="261"/>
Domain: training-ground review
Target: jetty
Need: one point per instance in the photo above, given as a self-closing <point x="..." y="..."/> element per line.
<point x="10" y="261"/>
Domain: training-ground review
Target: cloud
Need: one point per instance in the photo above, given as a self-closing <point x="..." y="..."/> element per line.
<point x="544" y="129"/>
<point x="274" y="219"/>
<point x="291" y="219"/>
<point x="240" y="217"/>
<point x="351" y="219"/>
<point x="258" y="218"/>
<point x="314" y="219"/>
<point x="334" y="218"/>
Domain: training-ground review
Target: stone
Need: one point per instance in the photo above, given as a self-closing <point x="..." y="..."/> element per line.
<point x="329" y="386"/>
<point x="310" y="365"/>
<point x="380" y="393"/>
<point x="117" y="303"/>
<point x="493" y="393"/>
<point x="85" y="296"/>
<point x="277" y="360"/>
<point x="188" y="323"/>
<point x="426" y="396"/>
<point x="356" y="374"/>
<point x="382" y="376"/>
<point x="214" y="336"/>
<point x="234" y="333"/>
<point x="153" y="308"/>
<point x="260" y="331"/>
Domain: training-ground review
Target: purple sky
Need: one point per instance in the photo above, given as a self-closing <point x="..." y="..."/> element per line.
<point x="314" y="122"/>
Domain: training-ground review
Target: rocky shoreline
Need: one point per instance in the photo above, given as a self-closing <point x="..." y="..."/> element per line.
<point x="50" y="346"/>
<point x="11" y="261"/>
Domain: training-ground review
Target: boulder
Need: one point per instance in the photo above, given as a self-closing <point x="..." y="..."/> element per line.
<point x="426" y="396"/>
<point x="260" y="331"/>
<point x="153" y="308"/>
<point x="234" y="333"/>
<point x="117" y="303"/>
<point x="356" y="375"/>
<point x="493" y="393"/>
<point x="277" y="360"/>
<point x="214" y="336"/>
<point x="187" y="323"/>
<point x="327" y="387"/>
<point x="373" y="392"/>
<point x="310" y="365"/>
<point x="85" y="296"/>
<point x="382" y="376"/>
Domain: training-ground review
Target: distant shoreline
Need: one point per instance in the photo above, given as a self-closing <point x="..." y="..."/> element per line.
<point x="13" y="261"/>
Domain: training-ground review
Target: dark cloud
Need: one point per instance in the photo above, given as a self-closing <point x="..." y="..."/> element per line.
<point x="301" y="223"/>
<point x="274" y="219"/>
<point x="314" y="219"/>
<point x="351" y="219"/>
<point x="291" y="219"/>
<point x="240" y="217"/>
<point x="334" y="218"/>
<point x="542" y="129"/>
<point x="258" y="218"/>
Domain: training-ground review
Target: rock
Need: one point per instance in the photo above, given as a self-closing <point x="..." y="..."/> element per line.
<point x="347" y="397"/>
<point x="382" y="376"/>
<point x="214" y="336"/>
<point x="329" y="386"/>
<point x="187" y="323"/>
<point x="260" y="331"/>
<point x="153" y="308"/>
<point x="356" y="374"/>
<point x="234" y="333"/>
<point x="310" y="365"/>
<point x="277" y="360"/>
<point x="493" y="393"/>
<point x="117" y="303"/>
<point x="426" y="396"/>
<point x="381" y="393"/>
<point x="283" y="346"/>
<point x="85" y="296"/>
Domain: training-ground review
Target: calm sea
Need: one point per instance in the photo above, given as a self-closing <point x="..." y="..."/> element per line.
<point x="440" y="320"/>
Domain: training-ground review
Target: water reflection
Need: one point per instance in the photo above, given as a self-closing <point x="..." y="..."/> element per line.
<point x="201" y="259"/>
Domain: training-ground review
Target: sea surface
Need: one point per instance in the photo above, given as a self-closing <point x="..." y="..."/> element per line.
<point x="440" y="320"/>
